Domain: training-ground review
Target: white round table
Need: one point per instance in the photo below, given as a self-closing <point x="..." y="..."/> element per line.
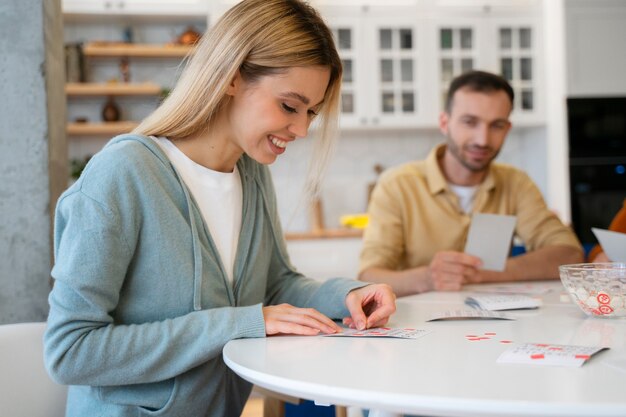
<point x="443" y="373"/>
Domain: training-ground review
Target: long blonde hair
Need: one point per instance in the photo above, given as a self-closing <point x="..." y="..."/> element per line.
<point x="256" y="38"/>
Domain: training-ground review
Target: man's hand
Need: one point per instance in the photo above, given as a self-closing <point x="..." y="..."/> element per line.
<point x="370" y="306"/>
<point x="287" y="319"/>
<point x="448" y="270"/>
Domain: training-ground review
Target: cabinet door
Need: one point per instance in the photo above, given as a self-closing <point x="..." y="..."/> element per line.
<point x="504" y="43"/>
<point x="477" y="5"/>
<point x="140" y="7"/>
<point x="348" y="40"/>
<point x="380" y="57"/>
<point x="392" y="63"/>
<point x="90" y="6"/>
<point x="517" y="57"/>
<point x="458" y="50"/>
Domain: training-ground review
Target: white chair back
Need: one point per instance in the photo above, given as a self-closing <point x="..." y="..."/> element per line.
<point x="26" y="390"/>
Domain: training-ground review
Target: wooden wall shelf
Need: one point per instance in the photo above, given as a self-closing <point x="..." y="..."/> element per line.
<point x="100" y="129"/>
<point x="117" y="49"/>
<point x="113" y="89"/>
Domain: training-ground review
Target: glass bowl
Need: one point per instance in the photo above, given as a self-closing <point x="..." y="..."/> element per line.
<point x="599" y="289"/>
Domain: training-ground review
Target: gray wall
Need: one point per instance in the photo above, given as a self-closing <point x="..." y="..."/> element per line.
<point x="28" y="67"/>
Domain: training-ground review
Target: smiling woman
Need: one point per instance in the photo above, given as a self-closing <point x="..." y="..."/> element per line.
<point x="169" y="244"/>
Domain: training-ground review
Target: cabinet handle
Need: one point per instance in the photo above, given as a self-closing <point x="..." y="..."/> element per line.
<point x="374" y="120"/>
<point x="121" y="4"/>
<point x="363" y="120"/>
<point x="107" y="4"/>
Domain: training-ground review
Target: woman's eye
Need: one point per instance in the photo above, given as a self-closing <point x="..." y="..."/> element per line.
<point x="289" y="109"/>
<point x="312" y="114"/>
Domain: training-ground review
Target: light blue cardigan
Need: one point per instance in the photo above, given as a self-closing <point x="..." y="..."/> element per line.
<point x="141" y="307"/>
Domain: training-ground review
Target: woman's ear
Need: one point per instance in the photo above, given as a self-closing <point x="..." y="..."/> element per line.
<point x="235" y="85"/>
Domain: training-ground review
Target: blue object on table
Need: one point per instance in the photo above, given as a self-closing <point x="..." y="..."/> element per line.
<point x="518" y="250"/>
<point x="309" y="409"/>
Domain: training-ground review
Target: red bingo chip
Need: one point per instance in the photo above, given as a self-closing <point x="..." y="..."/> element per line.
<point x="603" y="298"/>
<point x="605" y="309"/>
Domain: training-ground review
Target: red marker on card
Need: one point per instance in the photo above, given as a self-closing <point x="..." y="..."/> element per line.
<point x="585" y="357"/>
<point x="505" y="341"/>
<point x="537" y="356"/>
<point x="490" y="334"/>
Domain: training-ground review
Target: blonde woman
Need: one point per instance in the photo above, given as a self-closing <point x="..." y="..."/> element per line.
<point x="169" y="245"/>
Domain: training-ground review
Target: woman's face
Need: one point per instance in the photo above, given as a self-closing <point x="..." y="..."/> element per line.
<point x="267" y="115"/>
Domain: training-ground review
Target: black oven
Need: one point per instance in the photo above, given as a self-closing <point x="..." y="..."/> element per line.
<point x="597" y="161"/>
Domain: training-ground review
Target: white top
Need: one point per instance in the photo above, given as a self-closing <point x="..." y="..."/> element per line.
<point x="443" y="373"/>
<point x="466" y="196"/>
<point x="219" y="196"/>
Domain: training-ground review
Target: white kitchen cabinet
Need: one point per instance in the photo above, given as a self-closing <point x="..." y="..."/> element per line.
<point x="505" y="41"/>
<point x="380" y="49"/>
<point x="400" y="56"/>
<point x="474" y="5"/>
<point x="137" y="7"/>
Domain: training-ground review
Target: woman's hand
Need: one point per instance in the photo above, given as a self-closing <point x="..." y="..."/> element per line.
<point x="287" y="319"/>
<point x="370" y="306"/>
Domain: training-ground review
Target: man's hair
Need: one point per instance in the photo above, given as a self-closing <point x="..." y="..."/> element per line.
<point x="478" y="81"/>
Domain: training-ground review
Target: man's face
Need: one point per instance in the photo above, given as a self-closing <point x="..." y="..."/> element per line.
<point x="476" y="127"/>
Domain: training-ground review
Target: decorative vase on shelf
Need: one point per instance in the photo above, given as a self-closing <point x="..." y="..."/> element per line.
<point x="110" y="111"/>
<point x="189" y="37"/>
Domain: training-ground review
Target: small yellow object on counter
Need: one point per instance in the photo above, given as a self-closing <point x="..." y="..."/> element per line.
<point x="356" y="221"/>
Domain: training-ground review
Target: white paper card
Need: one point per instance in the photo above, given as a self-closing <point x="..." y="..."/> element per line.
<point x="613" y="243"/>
<point x="517" y="288"/>
<point x="495" y="302"/>
<point x="547" y="354"/>
<point x="468" y="314"/>
<point x="489" y="239"/>
<point x="381" y="332"/>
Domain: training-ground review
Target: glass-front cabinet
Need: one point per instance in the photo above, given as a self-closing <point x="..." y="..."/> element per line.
<point x="500" y="41"/>
<point x="381" y="55"/>
<point x="457" y="49"/>
<point x="399" y="56"/>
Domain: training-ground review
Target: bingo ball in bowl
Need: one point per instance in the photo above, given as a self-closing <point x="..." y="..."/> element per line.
<point x="599" y="289"/>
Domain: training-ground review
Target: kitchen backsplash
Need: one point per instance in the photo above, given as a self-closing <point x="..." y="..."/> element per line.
<point x="345" y="185"/>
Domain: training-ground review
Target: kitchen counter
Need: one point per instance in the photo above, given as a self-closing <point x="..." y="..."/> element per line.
<point x="325" y="234"/>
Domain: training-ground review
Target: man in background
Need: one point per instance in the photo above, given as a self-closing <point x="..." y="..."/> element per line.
<point x="420" y="212"/>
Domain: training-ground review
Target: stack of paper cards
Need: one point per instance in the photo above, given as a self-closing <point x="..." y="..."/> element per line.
<point x="495" y="302"/>
<point x="527" y="288"/>
<point x="613" y="244"/>
<point x="381" y="332"/>
<point x="489" y="238"/>
<point x="468" y="314"/>
<point x="547" y="354"/>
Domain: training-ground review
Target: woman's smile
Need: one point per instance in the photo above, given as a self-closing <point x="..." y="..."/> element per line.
<point x="277" y="145"/>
